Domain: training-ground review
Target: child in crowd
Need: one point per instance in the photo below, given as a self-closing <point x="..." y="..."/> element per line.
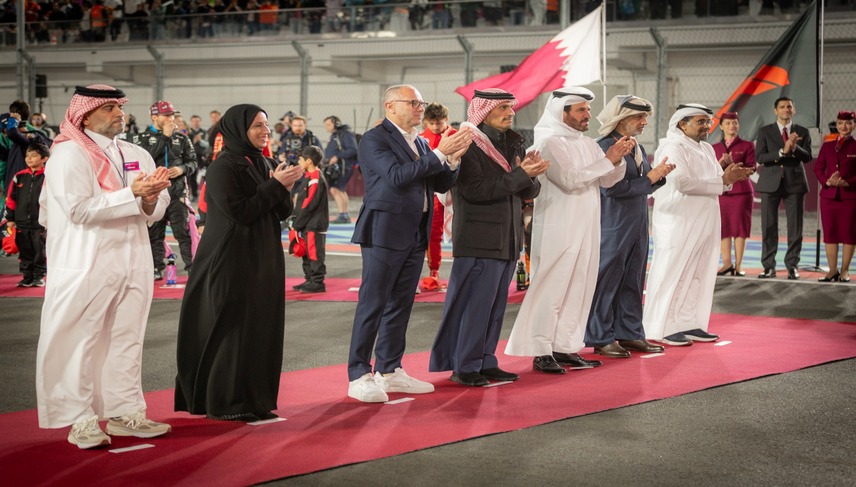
<point x="311" y="218"/>
<point x="22" y="212"/>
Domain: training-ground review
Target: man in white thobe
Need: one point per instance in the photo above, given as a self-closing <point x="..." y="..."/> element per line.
<point x="551" y="323"/>
<point x="99" y="195"/>
<point x="686" y="231"/>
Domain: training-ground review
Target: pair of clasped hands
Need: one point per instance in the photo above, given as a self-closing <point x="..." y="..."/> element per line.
<point x="837" y="181"/>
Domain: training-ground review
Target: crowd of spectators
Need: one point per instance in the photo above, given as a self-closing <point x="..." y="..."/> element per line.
<point x="65" y="21"/>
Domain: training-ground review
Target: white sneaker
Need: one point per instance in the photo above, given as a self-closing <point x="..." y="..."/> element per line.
<point x="87" y="434"/>
<point x="138" y="425"/>
<point x="366" y="389"/>
<point x="399" y="381"/>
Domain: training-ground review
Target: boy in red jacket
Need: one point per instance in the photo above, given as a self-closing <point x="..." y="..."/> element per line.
<point x="22" y="212"/>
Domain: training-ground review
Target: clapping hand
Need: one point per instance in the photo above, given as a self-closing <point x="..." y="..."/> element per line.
<point x="620" y="149"/>
<point x="453" y="146"/>
<point x="793" y="138"/>
<point x="660" y="171"/>
<point x="726" y="160"/>
<point x="149" y="187"/>
<point x="533" y="164"/>
<point x="287" y="175"/>
<point x="736" y="172"/>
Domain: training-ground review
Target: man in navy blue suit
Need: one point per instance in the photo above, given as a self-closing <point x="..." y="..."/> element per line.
<point x="401" y="175"/>
<point x="615" y="321"/>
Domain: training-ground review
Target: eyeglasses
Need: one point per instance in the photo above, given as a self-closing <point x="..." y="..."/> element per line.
<point x="704" y="122"/>
<point x="414" y="103"/>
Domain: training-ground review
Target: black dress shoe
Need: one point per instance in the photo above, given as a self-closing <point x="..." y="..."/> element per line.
<point x="739" y="273"/>
<point x="265" y="415"/>
<point x="471" y="379"/>
<point x="726" y="271"/>
<point x="613" y="350"/>
<point x="574" y="361"/>
<point x="832" y="278"/>
<point x="793" y="274"/>
<point x="547" y="364"/>
<point x="767" y="274"/>
<point x="641" y="346"/>
<point x="498" y="375"/>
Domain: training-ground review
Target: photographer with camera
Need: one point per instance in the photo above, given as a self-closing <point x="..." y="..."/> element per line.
<point x="341" y="155"/>
<point x="296" y="140"/>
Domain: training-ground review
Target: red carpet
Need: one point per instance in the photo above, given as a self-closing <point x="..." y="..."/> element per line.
<point x="325" y="429"/>
<point x="337" y="290"/>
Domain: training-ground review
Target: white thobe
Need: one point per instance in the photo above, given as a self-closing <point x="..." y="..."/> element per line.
<point x="99" y="287"/>
<point x="686" y="233"/>
<point x="565" y="247"/>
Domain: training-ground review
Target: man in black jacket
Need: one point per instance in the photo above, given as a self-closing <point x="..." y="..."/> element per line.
<point x="781" y="151"/>
<point x="496" y="176"/>
<point x="171" y="149"/>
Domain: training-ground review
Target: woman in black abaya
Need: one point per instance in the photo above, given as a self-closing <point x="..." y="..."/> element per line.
<point x="230" y="331"/>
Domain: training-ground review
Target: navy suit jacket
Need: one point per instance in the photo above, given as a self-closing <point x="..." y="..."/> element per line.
<point x="774" y="168"/>
<point x="397" y="185"/>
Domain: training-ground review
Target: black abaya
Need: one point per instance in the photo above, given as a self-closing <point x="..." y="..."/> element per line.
<point x="230" y="333"/>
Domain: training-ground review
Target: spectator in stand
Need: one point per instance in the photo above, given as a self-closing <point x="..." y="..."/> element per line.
<point x="252" y="9"/>
<point x="334" y="15"/>
<point x="341" y="151"/>
<point x="735" y="205"/>
<point x="436" y="122"/>
<point x="116" y="10"/>
<point x="314" y="10"/>
<point x="232" y="22"/>
<point x="22" y="212"/>
<point x="539" y="11"/>
<point x="268" y="16"/>
<point x="138" y="23"/>
<point x="99" y="16"/>
<point x="442" y="16"/>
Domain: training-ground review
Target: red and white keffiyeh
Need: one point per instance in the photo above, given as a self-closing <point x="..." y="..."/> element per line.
<point x="477" y="112"/>
<point x="85" y="100"/>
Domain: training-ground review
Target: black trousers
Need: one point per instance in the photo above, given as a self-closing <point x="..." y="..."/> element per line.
<point x="770" y="227"/>
<point x="176" y="215"/>
<point x="314" y="268"/>
<point x="31" y="249"/>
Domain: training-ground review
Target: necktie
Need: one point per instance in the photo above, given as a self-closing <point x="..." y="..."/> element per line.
<point x="784" y="134"/>
<point x="840" y="143"/>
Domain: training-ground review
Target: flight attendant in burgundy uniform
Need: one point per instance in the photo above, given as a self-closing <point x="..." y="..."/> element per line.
<point x="735" y="206"/>
<point x="836" y="170"/>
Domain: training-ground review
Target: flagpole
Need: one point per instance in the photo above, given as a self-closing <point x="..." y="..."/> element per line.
<point x="603" y="49"/>
<point x="820" y="129"/>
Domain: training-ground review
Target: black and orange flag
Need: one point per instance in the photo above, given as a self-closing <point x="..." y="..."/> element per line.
<point x="789" y="69"/>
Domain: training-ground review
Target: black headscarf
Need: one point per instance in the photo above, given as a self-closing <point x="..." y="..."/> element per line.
<point x="234" y="125"/>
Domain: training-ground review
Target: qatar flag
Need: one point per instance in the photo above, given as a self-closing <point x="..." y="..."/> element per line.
<point x="572" y="58"/>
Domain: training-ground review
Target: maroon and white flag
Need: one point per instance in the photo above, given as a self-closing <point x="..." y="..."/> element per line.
<point x="572" y="58"/>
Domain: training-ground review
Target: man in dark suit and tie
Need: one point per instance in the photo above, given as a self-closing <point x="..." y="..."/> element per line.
<point x="401" y="175"/>
<point x="780" y="151"/>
